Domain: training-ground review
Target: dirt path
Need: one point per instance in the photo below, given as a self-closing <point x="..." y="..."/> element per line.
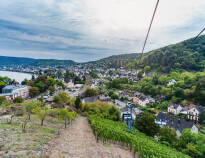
<point x="78" y="141"/>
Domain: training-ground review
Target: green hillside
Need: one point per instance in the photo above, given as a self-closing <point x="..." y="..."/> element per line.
<point x="53" y="62"/>
<point x="116" y="61"/>
<point x="187" y="55"/>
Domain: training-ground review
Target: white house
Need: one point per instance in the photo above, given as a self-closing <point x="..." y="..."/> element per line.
<point x="11" y="91"/>
<point x="193" y="111"/>
<point x="171" y="82"/>
<point x="175" y="109"/>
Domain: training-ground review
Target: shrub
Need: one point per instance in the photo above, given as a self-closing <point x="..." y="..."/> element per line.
<point x="18" y="100"/>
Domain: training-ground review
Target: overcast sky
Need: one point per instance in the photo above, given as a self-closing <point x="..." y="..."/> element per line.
<point x="84" y="30"/>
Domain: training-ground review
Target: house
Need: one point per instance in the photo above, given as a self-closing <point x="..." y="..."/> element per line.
<point x="104" y="98"/>
<point x="171" y="82"/>
<point x="192" y="111"/>
<point x="178" y="124"/>
<point x="120" y="104"/>
<point x="141" y="99"/>
<point x="12" y="91"/>
<point x="78" y="86"/>
<point x="175" y="109"/>
<point x="137" y="94"/>
<point x="90" y="99"/>
<point x="144" y="100"/>
<point x="70" y="85"/>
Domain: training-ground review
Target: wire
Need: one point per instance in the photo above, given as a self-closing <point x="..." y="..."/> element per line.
<point x="149" y="29"/>
<point x="199" y="34"/>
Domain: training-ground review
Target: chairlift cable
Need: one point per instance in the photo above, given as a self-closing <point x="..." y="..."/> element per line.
<point x="155" y="10"/>
<point x="199" y="34"/>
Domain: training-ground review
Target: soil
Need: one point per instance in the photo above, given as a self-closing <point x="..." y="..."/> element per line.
<point x="78" y="141"/>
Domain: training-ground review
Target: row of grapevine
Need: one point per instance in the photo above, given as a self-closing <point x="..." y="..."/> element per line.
<point x="146" y="147"/>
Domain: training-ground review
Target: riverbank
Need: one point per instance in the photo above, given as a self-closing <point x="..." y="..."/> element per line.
<point x="18" y="76"/>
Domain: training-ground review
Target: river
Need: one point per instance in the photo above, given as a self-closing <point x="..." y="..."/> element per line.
<point x="18" y="76"/>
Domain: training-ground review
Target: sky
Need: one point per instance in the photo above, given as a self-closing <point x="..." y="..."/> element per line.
<point x="87" y="30"/>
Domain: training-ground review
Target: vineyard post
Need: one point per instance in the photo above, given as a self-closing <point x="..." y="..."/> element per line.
<point x="41" y="146"/>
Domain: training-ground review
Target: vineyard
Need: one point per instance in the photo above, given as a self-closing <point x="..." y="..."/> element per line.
<point x="144" y="146"/>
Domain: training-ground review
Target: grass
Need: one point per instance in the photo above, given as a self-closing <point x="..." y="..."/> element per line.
<point x="26" y="144"/>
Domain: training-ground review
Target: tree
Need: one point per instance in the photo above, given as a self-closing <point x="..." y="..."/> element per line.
<point x="2" y="85"/>
<point x="155" y="79"/>
<point x="192" y="151"/>
<point x="94" y="74"/>
<point x="78" y="103"/>
<point x="59" y="74"/>
<point x="61" y="84"/>
<point x="41" y="86"/>
<point x="185" y="138"/>
<point x="167" y="134"/>
<point x="65" y="98"/>
<point x="50" y="81"/>
<point x="90" y="92"/>
<point x="58" y="101"/>
<point x="24" y="82"/>
<point x="114" y="83"/>
<point x="30" y="83"/>
<point x="30" y="107"/>
<point x="146" y="124"/>
<point x="33" y="92"/>
<point x="42" y="113"/>
<point x="2" y="99"/>
<point x="140" y="74"/>
<point x="147" y="69"/>
<point x="202" y="117"/>
<point x="51" y="90"/>
<point x="114" y="114"/>
<point x="61" y="99"/>
<point x="114" y="96"/>
<point x="64" y="114"/>
<point x="18" y="99"/>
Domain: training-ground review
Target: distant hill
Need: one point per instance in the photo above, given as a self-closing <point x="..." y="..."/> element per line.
<point x="115" y="61"/>
<point x="12" y="61"/>
<point x="53" y="62"/>
<point x="188" y="55"/>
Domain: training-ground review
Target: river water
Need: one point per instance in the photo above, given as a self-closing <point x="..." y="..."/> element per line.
<point x="18" y="76"/>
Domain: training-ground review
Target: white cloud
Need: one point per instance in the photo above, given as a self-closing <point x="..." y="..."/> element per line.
<point x="120" y="25"/>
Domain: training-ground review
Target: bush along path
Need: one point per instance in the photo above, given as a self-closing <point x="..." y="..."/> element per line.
<point x="78" y="141"/>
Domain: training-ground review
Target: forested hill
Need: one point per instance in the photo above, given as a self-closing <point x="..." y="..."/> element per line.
<point x="11" y="61"/>
<point x="116" y="61"/>
<point x="187" y="55"/>
<point x="53" y="62"/>
<point x="7" y="61"/>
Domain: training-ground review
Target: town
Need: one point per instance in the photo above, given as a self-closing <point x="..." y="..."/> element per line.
<point x="102" y="79"/>
<point x="70" y="81"/>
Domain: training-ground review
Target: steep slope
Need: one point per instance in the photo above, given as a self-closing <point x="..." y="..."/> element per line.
<point x="115" y="61"/>
<point x="187" y="55"/>
<point x="78" y="141"/>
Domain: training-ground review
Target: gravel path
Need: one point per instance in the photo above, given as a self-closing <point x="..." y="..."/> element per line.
<point x="78" y="141"/>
